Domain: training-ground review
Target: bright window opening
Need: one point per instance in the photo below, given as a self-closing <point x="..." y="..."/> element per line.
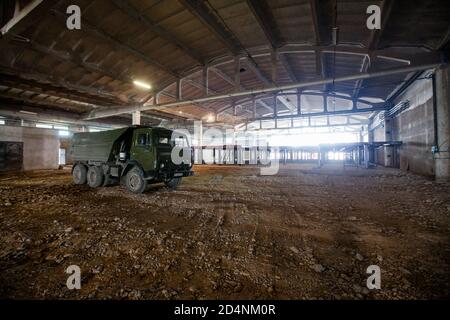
<point x="313" y="138"/>
<point x="44" y="126"/>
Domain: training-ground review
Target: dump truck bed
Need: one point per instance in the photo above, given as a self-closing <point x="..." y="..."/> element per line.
<point x="95" y="146"/>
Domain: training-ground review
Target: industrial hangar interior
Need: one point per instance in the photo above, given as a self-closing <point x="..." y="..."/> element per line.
<point x="317" y="133"/>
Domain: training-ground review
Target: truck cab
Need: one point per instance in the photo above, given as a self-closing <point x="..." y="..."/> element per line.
<point x="136" y="156"/>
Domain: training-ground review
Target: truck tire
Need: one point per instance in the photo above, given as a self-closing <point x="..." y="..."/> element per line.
<point x="79" y="174"/>
<point x="173" y="183"/>
<point x="135" y="182"/>
<point x="95" y="176"/>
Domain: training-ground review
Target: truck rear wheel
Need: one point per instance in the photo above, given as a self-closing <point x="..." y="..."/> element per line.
<point x="173" y="183"/>
<point x="95" y="176"/>
<point x="79" y="174"/>
<point x="135" y="181"/>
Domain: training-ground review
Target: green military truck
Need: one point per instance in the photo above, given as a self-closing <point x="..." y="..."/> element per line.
<point x="135" y="156"/>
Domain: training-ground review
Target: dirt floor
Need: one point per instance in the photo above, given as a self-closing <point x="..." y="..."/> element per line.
<point x="228" y="233"/>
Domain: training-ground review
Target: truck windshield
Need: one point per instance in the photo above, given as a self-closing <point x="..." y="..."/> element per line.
<point x="179" y="140"/>
<point x="163" y="140"/>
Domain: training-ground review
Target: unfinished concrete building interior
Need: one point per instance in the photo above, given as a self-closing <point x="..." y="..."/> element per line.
<point x="319" y="132"/>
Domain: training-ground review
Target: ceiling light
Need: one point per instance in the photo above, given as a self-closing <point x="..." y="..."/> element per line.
<point x="28" y="112"/>
<point x="142" y="84"/>
<point x="210" y="118"/>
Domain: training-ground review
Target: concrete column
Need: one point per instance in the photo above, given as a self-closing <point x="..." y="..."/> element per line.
<point x="388" y="150"/>
<point x="198" y="133"/>
<point x="442" y="161"/>
<point x="136" y="118"/>
<point x="366" y="156"/>
<point x="178" y="89"/>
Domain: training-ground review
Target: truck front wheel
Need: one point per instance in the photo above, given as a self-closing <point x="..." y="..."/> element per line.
<point x="79" y="174"/>
<point x="95" y="176"/>
<point x="173" y="183"/>
<point x="135" y="181"/>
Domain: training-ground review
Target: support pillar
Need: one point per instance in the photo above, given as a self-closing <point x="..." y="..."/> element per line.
<point x="198" y="134"/>
<point x="366" y="156"/>
<point x="442" y="157"/>
<point x="388" y="150"/>
<point x="178" y="89"/>
<point x="136" y="118"/>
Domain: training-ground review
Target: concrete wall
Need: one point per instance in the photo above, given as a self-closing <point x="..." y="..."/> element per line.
<point x="40" y="146"/>
<point x="415" y="127"/>
<point x="384" y="155"/>
<point x="442" y="158"/>
<point x="378" y="134"/>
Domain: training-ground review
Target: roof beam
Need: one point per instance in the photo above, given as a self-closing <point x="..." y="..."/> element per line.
<point x="242" y="88"/>
<point x="445" y="39"/>
<point x="75" y="59"/>
<point x="26" y="17"/>
<point x="131" y="11"/>
<point x="264" y="17"/>
<point x="324" y="70"/>
<point x="28" y="73"/>
<point x="167" y="116"/>
<point x="225" y="77"/>
<point x="358" y="84"/>
<point x="288" y="104"/>
<point x="325" y="113"/>
<point x="40" y="102"/>
<point x="322" y="24"/>
<point x="49" y="89"/>
<point x="258" y="72"/>
<point x="174" y="96"/>
<point x="207" y="15"/>
<point x="402" y="87"/>
<point x="266" y="21"/>
<point x="315" y="19"/>
<point x="287" y="66"/>
<point x="382" y="73"/>
<point x="241" y="102"/>
<point x="415" y="59"/>
<point x="265" y="105"/>
<point x="13" y="111"/>
<point x="118" y="45"/>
